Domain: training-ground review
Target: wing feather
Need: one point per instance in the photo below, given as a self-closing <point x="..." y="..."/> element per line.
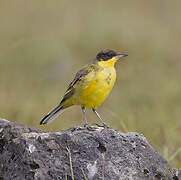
<point x="78" y="77"/>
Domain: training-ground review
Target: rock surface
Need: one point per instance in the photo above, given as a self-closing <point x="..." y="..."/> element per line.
<point x="78" y="153"/>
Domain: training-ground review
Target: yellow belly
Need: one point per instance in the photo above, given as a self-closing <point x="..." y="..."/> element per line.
<point x="96" y="88"/>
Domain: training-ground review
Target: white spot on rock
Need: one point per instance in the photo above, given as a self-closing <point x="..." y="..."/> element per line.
<point x="134" y="144"/>
<point x="35" y="135"/>
<point x="92" y="169"/>
<point x="4" y="120"/>
<point x="31" y="148"/>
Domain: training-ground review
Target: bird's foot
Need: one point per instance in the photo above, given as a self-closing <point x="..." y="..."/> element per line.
<point x="86" y="125"/>
<point x="104" y="125"/>
<point x="90" y="128"/>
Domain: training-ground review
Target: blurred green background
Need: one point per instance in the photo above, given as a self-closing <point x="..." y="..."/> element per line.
<point x="43" y="43"/>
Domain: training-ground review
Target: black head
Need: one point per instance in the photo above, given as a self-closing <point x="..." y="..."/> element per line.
<point x="105" y="55"/>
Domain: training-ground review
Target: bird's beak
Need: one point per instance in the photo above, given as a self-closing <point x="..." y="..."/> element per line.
<point x="118" y="56"/>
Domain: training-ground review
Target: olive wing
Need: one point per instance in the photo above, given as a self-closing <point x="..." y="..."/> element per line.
<point x="78" y="77"/>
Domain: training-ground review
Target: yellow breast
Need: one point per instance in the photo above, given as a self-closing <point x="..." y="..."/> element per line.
<point x="97" y="86"/>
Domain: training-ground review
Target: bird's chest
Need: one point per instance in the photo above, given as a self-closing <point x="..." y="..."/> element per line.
<point x="98" y="86"/>
<point x="105" y="79"/>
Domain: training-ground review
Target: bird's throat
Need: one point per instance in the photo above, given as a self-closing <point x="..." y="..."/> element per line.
<point x="108" y="63"/>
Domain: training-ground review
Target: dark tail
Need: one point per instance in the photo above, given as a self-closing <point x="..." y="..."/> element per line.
<point x="52" y="115"/>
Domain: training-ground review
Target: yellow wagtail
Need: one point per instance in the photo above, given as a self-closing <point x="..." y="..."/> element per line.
<point x="90" y="87"/>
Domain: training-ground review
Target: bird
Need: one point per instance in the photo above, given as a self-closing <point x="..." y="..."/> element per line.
<point x="90" y="87"/>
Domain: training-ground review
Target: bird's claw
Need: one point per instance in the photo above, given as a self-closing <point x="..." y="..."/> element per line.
<point x="104" y="125"/>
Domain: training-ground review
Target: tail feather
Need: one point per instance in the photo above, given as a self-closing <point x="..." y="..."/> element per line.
<point x="52" y="115"/>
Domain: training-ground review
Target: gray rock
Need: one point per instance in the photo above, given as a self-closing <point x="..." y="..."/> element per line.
<point x="95" y="153"/>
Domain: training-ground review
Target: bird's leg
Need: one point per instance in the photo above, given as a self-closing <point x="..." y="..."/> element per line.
<point x="97" y="114"/>
<point x="84" y="116"/>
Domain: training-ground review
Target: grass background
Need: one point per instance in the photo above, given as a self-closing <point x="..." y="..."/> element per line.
<point x="43" y="43"/>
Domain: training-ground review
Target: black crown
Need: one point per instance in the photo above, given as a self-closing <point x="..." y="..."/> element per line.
<point x="105" y="55"/>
